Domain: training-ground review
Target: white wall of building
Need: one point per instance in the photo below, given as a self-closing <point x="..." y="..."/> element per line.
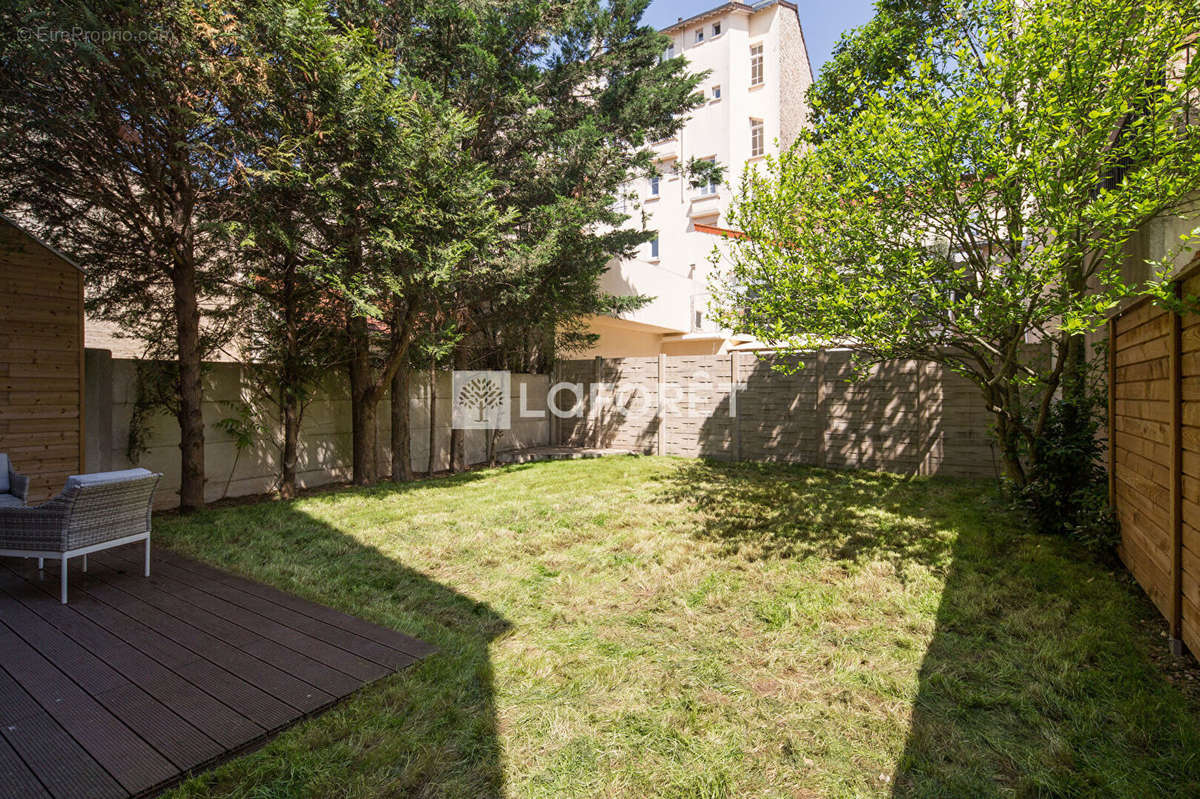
<point x="677" y="279"/>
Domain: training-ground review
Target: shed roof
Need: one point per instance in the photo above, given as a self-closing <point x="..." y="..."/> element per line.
<point x="9" y="220"/>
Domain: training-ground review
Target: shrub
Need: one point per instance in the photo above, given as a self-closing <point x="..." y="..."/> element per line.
<point x="1067" y="490"/>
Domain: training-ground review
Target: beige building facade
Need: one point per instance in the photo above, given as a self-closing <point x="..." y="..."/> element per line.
<point x="754" y="106"/>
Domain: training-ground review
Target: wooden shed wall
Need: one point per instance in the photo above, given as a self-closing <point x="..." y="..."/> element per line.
<point x="41" y="362"/>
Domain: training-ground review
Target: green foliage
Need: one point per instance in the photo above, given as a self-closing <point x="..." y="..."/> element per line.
<point x="145" y="122"/>
<point x="155" y="392"/>
<point x="979" y="199"/>
<point x="1067" y="489"/>
<point x="566" y="98"/>
<point x="240" y="427"/>
<point x="872" y="56"/>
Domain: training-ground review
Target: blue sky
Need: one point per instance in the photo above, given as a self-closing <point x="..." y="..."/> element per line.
<point x="823" y="21"/>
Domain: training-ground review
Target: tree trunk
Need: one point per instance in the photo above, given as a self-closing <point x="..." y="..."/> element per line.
<point x="458" y="456"/>
<point x="494" y="437"/>
<point x="362" y="402"/>
<point x="291" y="437"/>
<point x="401" y="439"/>
<point x="432" y="467"/>
<point x="289" y="400"/>
<point x="191" y="389"/>
<point x="1010" y="445"/>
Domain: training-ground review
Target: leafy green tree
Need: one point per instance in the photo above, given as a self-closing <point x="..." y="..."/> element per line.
<point x="114" y="144"/>
<point x="867" y="58"/>
<point x="980" y="201"/>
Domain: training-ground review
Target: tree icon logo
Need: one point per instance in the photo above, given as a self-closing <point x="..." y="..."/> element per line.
<point x="481" y="400"/>
<point x="482" y="395"/>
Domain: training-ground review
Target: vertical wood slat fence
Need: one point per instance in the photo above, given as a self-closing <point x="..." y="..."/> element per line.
<point x="1154" y="456"/>
<point x="904" y="416"/>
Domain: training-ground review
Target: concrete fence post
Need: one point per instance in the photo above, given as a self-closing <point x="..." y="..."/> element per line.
<point x="597" y="412"/>
<point x="662" y="413"/>
<point x="734" y="416"/>
<point x="821" y="409"/>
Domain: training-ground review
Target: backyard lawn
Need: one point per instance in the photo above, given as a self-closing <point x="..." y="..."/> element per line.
<point x="659" y="627"/>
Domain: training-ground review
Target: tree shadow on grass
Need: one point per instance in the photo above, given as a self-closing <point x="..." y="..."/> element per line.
<point x="1044" y="678"/>
<point x="1041" y="675"/>
<point x="775" y="510"/>
<point x="429" y="730"/>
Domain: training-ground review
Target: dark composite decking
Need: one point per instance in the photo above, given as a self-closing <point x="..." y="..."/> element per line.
<point x="139" y="681"/>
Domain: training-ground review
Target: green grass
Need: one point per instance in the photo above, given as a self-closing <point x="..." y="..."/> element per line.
<point x="658" y="627"/>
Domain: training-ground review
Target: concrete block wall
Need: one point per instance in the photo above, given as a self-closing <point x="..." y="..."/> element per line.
<point x="904" y="416"/>
<point x="325" y="436"/>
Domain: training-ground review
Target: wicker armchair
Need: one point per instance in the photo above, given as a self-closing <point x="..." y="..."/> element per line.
<point x="93" y="512"/>
<point x="14" y="488"/>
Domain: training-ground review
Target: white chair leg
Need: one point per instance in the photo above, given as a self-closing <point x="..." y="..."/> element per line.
<point x="64" y="580"/>
<point x="85" y="564"/>
<point x="41" y="563"/>
<point x="147" y="556"/>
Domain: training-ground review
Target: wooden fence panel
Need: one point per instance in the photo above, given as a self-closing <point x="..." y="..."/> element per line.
<point x="1154" y="456"/>
<point x="1188" y="395"/>
<point x="1141" y="448"/>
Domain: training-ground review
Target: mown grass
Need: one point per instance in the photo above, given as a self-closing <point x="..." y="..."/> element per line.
<point x="658" y="627"/>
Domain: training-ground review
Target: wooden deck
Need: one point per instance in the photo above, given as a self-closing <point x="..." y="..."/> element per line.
<point x="138" y="681"/>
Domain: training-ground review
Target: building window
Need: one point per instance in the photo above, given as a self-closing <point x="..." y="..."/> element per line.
<point x="716" y="92"/>
<point x="757" y="145"/>
<point x="654" y="186"/>
<point x="699" y="34"/>
<point x="756" y="65"/>
<point x="716" y="29"/>
<point x="670" y="51"/>
<point x="710" y="187"/>
<point x="654" y="248"/>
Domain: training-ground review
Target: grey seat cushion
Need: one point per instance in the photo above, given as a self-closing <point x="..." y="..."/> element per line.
<point x="4" y="487"/>
<point x="9" y="501"/>
<point x="107" y="477"/>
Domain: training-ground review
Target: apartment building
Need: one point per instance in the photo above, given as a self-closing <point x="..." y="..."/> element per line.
<point x="754" y="105"/>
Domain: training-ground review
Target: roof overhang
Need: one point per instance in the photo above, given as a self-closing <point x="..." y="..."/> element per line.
<point x="713" y="230"/>
<point x="39" y="242"/>
<point x="725" y="8"/>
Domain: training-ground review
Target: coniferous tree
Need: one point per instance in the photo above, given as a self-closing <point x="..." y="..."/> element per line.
<point x="115" y="151"/>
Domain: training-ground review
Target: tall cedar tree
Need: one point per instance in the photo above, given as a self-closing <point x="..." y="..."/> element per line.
<point x="567" y="98"/>
<point x="112" y="151"/>
<point x="286" y="314"/>
<point x="396" y="206"/>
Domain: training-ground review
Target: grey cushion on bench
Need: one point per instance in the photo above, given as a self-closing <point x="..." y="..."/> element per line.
<point x="97" y="478"/>
<point x="93" y="512"/>
<point x="14" y="488"/>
